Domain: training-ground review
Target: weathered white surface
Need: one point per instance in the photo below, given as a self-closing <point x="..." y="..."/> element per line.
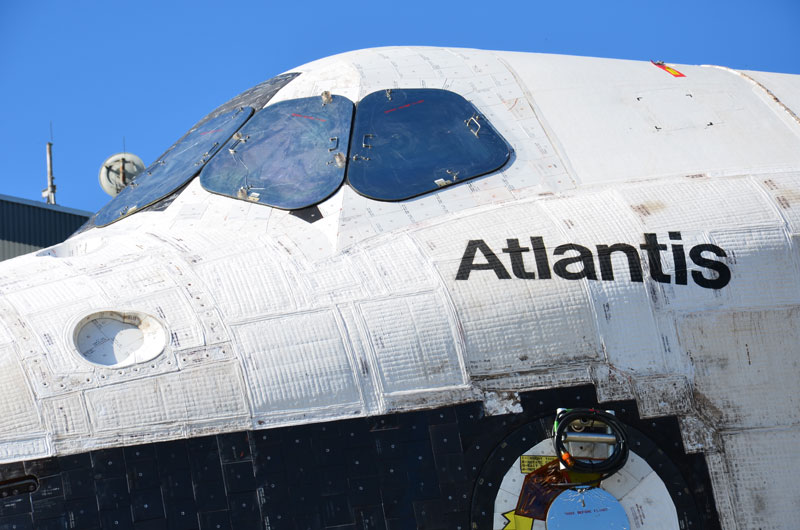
<point x="273" y="321"/>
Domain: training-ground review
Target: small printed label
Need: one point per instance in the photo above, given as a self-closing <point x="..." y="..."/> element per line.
<point x="530" y="463"/>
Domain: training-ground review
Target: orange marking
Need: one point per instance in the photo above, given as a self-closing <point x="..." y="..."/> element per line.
<point x="673" y="72"/>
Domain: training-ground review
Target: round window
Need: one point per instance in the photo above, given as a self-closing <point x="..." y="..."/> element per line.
<point x="119" y="338"/>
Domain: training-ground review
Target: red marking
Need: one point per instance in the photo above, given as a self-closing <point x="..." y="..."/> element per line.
<point x="209" y="132"/>
<point x="307" y="117"/>
<point x="403" y="106"/>
<point x="673" y="72"/>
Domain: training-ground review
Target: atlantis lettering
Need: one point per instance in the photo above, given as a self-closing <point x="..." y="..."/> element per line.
<point x="578" y="262"/>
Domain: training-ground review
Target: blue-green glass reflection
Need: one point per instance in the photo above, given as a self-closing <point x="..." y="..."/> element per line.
<point x="290" y="155"/>
<point x="407" y="142"/>
<point x="175" y="167"/>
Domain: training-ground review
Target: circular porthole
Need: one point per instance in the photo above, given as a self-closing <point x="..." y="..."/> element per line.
<point x="119" y="338"/>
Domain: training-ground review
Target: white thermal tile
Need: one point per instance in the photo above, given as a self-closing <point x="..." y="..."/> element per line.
<point x="743" y="358"/>
<point x="500" y="334"/>
<point x="247" y="284"/>
<point x="662" y="396"/>
<point x="209" y="392"/>
<point x="66" y="416"/>
<point x="5" y="334"/>
<point x="624" y="314"/>
<point x="764" y="268"/>
<point x="133" y="282"/>
<point x="288" y="367"/>
<point x="51" y="295"/>
<point x="333" y="275"/>
<point x="448" y="240"/>
<point x="18" y="409"/>
<point x="31" y="270"/>
<point x="414" y="342"/>
<point x="784" y="189"/>
<point x="760" y="477"/>
<point x="400" y="266"/>
<point x="55" y="332"/>
<point x="699" y="204"/>
<point x="171" y="307"/>
<point x="697" y="434"/>
<point x="135" y="405"/>
<point x="512" y="324"/>
<point x="24" y="449"/>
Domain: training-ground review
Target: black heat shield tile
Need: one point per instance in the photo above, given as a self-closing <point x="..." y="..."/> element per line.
<point x="433" y="470"/>
<point x="113" y="494"/>
<point x="234" y="447"/>
<point x="48" y="508"/>
<point x="108" y="463"/>
<point x="215" y="521"/>
<point x="77" y="461"/>
<point x="15" y="505"/>
<point x="78" y="483"/>
<point x="268" y="459"/>
<point x="244" y="510"/>
<point x="239" y="477"/>
<point x="176" y="484"/>
<point x="57" y="523"/>
<point x="17" y="522"/>
<point x="48" y="487"/>
<point x="172" y="455"/>
<point x="44" y="467"/>
<point x="152" y="524"/>
<point x="332" y="480"/>
<point x="82" y="513"/>
<point x="206" y="467"/>
<point x="210" y="496"/>
<point x="12" y="471"/>
<point x="118" y="519"/>
<point x="182" y="515"/>
<point x="143" y="474"/>
<point x="147" y="504"/>
<point x="139" y="452"/>
<point x="336" y="510"/>
<point x="370" y="518"/>
<point x="275" y="488"/>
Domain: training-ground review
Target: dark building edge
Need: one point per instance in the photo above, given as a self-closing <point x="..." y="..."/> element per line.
<point x="27" y="225"/>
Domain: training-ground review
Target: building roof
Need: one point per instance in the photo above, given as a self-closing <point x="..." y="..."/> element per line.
<point x="27" y="225"/>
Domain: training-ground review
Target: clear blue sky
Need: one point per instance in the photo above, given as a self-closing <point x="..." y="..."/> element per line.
<point x="148" y="70"/>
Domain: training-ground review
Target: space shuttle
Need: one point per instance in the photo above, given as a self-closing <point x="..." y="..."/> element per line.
<point x="426" y="288"/>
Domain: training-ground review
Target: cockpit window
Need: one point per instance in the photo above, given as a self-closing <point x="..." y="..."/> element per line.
<point x="296" y="153"/>
<point x="290" y="155"/>
<point x="175" y="167"/>
<point x="407" y="142"/>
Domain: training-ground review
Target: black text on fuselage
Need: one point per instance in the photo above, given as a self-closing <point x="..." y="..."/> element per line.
<point x="578" y="261"/>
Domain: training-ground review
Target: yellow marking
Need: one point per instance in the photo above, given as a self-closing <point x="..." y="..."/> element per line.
<point x="530" y="463"/>
<point x="510" y="522"/>
<point x="517" y="522"/>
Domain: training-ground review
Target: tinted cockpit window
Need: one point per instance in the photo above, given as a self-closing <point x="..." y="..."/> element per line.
<point x="407" y="142"/>
<point x="175" y="167"/>
<point x="290" y="155"/>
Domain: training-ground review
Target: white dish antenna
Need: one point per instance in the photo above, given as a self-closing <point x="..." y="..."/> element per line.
<point x="118" y="170"/>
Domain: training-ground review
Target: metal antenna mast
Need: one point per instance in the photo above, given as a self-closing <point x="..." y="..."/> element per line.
<point x="49" y="193"/>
